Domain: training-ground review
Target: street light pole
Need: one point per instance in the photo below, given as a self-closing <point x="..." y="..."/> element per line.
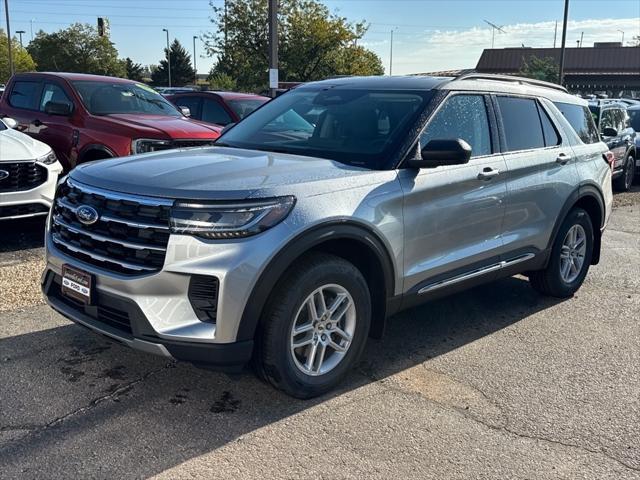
<point x="6" y="11"/>
<point x="391" y="55"/>
<point x="20" y="32"/>
<point x="273" y="47"/>
<point x="168" y="56"/>
<point x="622" y="41"/>
<point x="564" y="41"/>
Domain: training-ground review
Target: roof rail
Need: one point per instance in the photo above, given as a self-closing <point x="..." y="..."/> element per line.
<point x="509" y="78"/>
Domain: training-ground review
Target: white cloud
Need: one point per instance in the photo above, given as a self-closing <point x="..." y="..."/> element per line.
<point x="444" y="50"/>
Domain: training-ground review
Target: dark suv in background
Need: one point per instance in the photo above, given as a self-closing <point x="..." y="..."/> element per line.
<point x="614" y="125"/>
<point x="90" y="117"/>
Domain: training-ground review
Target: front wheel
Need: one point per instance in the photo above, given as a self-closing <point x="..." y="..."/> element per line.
<point x="623" y="182"/>
<point x="570" y="257"/>
<point x="315" y="327"/>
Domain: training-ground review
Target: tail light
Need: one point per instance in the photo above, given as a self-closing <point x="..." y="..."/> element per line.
<point x="609" y="158"/>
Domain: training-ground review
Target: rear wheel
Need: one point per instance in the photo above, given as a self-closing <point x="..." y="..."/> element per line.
<point x="315" y="326"/>
<point x="624" y="181"/>
<point x="570" y="257"/>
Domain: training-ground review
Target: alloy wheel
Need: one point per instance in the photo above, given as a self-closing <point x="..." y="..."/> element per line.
<point x="572" y="254"/>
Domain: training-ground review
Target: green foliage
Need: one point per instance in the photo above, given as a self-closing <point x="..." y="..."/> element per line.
<point x="221" y="81"/>
<point x="635" y="41"/>
<point x="182" y="73"/>
<point x="313" y="43"/>
<point x="79" y="49"/>
<point x="22" y="61"/>
<point x="541" y="69"/>
<point x="135" y="71"/>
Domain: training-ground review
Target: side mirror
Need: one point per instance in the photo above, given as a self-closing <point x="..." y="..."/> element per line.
<point x="10" y="122"/>
<point x="57" y="108"/>
<point x="227" y="127"/>
<point x="437" y="153"/>
<point x="186" y="111"/>
<point x="609" y="132"/>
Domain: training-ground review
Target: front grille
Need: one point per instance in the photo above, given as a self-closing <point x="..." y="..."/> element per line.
<point x="23" y="210"/>
<point x="21" y="176"/>
<point x="129" y="237"/>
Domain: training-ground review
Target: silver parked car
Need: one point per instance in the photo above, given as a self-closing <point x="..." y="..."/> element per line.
<point x="291" y="241"/>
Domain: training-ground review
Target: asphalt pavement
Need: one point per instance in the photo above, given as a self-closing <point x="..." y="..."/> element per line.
<point x="497" y="383"/>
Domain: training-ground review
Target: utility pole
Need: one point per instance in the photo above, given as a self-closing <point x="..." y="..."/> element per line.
<point x="564" y="42"/>
<point x="31" y="23"/>
<point x="493" y="31"/>
<point x="168" y="56"/>
<point x="391" y="55"/>
<point x="622" y="41"/>
<point x="273" y="47"/>
<point x="555" y="35"/>
<point x="6" y="11"/>
<point x="581" y="37"/>
<point x="20" y="32"/>
<point x="195" y="68"/>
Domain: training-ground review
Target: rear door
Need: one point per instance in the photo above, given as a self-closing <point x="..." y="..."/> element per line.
<point x="453" y="214"/>
<point x="541" y="172"/>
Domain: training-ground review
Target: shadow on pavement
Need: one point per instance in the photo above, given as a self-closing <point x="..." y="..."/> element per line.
<point x="108" y="411"/>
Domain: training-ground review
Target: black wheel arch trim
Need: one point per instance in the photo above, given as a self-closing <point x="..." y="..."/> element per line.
<point x="298" y="246"/>
<point x="97" y="147"/>
<point x="586" y="189"/>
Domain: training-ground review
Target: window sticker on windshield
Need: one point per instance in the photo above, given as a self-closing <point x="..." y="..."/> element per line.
<point x="145" y="87"/>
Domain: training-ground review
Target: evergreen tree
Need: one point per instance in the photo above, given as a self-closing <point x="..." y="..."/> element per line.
<point x="182" y="73"/>
<point x="134" y="70"/>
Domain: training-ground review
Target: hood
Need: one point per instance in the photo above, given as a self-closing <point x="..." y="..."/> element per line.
<point x="224" y="173"/>
<point x="18" y="146"/>
<point x="171" y="127"/>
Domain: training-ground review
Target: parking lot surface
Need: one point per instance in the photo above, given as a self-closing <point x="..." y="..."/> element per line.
<point x="497" y="382"/>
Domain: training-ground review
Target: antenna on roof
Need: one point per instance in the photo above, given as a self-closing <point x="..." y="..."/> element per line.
<point x="494" y="27"/>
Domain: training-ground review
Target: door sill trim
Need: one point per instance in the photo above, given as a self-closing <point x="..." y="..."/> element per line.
<point x="475" y="273"/>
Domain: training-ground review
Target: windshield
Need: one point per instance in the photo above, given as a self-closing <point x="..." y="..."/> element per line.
<point x="357" y="127"/>
<point x="103" y="98"/>
<point x="634" y="116"/>
<point x="244" y="106"/>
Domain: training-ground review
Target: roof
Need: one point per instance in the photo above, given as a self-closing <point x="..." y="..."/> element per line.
<point x="77" y="76"/>
<point x="382" y="82"/>
<point x="586" y="60"/>
<point x="226" y="95"/>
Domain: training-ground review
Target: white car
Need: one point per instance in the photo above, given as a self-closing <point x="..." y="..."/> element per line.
<point x="28" y="174"/>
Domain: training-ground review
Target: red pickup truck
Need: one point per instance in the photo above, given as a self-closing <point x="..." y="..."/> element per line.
<point x="89" y="117"/>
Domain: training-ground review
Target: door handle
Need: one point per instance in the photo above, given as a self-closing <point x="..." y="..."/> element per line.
<point x="563" y="159"/>
<point x="488" y="173"/>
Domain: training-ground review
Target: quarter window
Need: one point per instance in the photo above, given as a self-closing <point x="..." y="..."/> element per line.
<point x="25" y="95"/>
<point x="521" y="122"/>
<point x="581" y="119"/>
<point x="551" y="137"/>
<point x="464" y="117"/>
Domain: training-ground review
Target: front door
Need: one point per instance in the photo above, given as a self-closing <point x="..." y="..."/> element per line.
<point x="454" y="214"/>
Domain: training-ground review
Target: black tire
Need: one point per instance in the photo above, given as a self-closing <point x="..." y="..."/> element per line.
<point x="549" y="281"/>
<point x="623" y="182"/>
<point x="273" y="359"/>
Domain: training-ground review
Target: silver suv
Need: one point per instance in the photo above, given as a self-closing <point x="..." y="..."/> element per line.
<point x="324" y="212"/>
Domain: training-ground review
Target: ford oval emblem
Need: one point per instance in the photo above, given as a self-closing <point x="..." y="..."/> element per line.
<point x="4" y="174"/>
<point x="87" y="215"/>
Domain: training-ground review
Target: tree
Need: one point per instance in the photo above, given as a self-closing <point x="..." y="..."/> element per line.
<point x="79" y="49"/>
<point x="182" y="72"/>
<point x="135" y="71"/>
<point x="221" y="81"/>
<point x="540" y="68"/>
<point x="635" y="41"/>
<point x="313" y="43"/>
<point x="22" y="61"/>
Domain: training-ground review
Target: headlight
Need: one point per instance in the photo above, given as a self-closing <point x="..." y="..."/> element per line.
<point x="145" y="145"/>
<point x="48" y="159"/>
<point x="220" y="220"/>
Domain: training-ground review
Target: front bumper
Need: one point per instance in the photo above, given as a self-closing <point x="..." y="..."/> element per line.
<point x="30" y="203"/>
<point x="121" y="320"/>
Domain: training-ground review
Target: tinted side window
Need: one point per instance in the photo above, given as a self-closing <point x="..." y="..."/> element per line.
<point x="53" y="93"/>
<point x="465" y="117"/>
<point x="581" y="119"/>
<point x="551" y="137"/>
<point x="213" y="112"/>
<point x="607" y="120"/>
<point x="521" y="122"/>
<point x="192" y="103"/>
<point x="25" y="95"/>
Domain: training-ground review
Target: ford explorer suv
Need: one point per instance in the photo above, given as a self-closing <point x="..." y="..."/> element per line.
<point x="614" y="125"/>
<point x="89" y="117"/>
<point x="289" y="243"/>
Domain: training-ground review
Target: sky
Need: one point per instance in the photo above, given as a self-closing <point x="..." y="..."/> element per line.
<point x="429" y="35"/>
